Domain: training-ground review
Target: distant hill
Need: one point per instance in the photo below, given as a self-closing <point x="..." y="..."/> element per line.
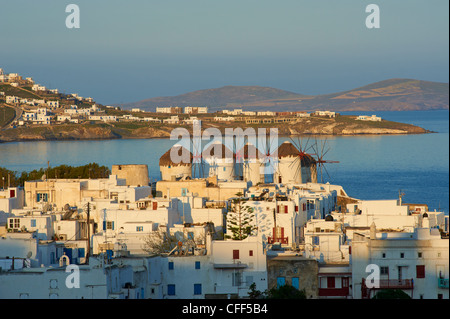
<point x="227" y="95"/>
<point x="388" y="95"/>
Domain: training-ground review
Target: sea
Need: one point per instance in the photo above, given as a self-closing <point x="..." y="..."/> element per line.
<point x="367" y="167"/>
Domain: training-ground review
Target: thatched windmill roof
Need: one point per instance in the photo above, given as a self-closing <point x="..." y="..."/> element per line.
<point x="186" y="160"/>
<point x="287" y="149"/>
<point x="250" y="151"/>
<point x="211" y="150"/>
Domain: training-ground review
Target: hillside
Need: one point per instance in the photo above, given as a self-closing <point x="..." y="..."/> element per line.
<point x="387" y="95"/>
<point x="341" y="125"/>
<point x="231" y="95"/>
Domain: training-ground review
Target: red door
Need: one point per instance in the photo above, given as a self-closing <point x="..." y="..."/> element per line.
<point x="330" y="282"/>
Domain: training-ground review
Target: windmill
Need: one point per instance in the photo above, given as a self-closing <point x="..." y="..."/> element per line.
<point x="304" y="164"/>
<point x="269" y="150"/>
<point x="320" y="152"/>
<point x="220" y="160"/>
<point x="250" y="158"/>
<point x="198" y="164"/>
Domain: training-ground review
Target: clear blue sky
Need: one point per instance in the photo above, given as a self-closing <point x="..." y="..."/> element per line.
<point x="126" y="51"/>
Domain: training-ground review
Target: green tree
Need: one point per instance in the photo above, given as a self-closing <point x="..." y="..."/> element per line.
<point x="253" y="293"/>
<point x="240" y="218"/>
<point x="286" y="292"/>
<point x="391" y="294"/>
<point x="91" y="170"/>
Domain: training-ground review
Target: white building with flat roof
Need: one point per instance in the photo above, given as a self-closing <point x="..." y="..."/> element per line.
<point x="416" y="262"/>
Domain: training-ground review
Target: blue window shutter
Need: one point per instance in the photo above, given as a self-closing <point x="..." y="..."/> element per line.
<point x="281" y="281"/>
<point x="112" y="225"/>
<point x="170" y="265"/>
<point x="197" y="265"/>
<point x="104" y="225"/>
<point x="81" y="252"/>
<point x="295" y="282"/>
<point x="171" y="290"/>
<point x="197" y="289"/>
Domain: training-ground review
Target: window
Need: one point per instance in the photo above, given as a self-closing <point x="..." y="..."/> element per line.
<point x="108" y="225"/>
<point x="315" y="240"/>
<point x="384" y="270"/>
<point x="139" y="228"/>
<point x="184" y="192"/>
<point x="250" y="253"/>
<point x="236" y="254"/>
<point x="197" y="265"/>
<point x="402" y="255"/>
<point x="281" y="281"/>
<point x="420" y="271"/>
<point x="170" y="265"/>
<point x="419" y="255"/>
<point x="14" y="223"/>
<point x="197" y="289"/>
<point x="383" y="255"/>
<point x="33" y="223"/>
<point x="190" y="235"/>
<point x="237" y="279"/>
<point x="295" y="282"/>
<point x="42" y="197"/>
<point x="171" y="290"/>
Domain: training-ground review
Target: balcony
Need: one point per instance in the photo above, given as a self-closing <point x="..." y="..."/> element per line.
<point x="281" y="240"/>
<point x="396" y="284"/>
<point x="443" y="283"/>
<point x="403" y="284"/>
<point x="334" y="292"/>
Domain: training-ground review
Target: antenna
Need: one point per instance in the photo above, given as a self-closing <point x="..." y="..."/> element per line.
<point x="88" y="233"/>
<point x="400" y="196"/>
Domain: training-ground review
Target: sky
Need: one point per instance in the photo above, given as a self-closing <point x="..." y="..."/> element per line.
<point x="126" y="51"/>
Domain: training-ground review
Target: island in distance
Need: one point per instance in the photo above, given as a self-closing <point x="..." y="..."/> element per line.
<point x="387" y="95"/>
<point x="31" y="112"/>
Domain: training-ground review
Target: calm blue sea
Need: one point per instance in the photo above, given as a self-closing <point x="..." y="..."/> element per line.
<point x="370" y="167"/>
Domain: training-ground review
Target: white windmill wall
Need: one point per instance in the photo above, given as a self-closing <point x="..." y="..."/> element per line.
<point x="252" y="172"/>
<point x="289" y="170"/>
<point x="170" y="173"/>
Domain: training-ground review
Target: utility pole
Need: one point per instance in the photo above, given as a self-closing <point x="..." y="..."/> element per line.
<point x="88" y="252"/>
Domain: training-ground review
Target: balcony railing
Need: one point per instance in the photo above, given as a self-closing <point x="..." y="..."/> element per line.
<point x="334" y="292"/>
<point x="393" y="284"/>
<point x="443" y="283"/>
<point x="281" y="240"/>
<point x="396" y="284"/>
<point x="387" y="284"/>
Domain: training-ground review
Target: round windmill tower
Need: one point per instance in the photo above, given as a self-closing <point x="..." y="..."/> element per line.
<point x="294" y="165"/>
<point x="219" y="161"/>
<point x="252" y="170"/>
<point x="176" y="164"/>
